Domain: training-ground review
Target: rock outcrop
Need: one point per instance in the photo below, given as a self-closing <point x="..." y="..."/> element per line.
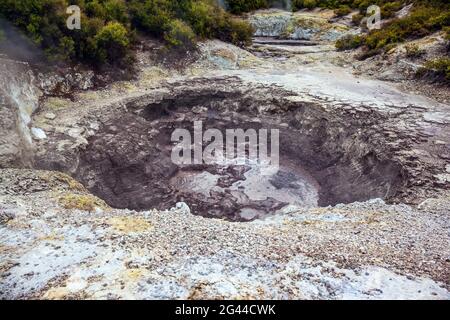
<point x="19" y="97"/>
<point x="297" y="25"/>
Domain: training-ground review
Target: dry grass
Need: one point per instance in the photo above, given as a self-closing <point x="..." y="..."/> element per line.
<point x="82" y="202"/>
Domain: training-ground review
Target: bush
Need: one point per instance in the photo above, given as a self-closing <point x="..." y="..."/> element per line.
<point x="240" y="32"/>
<point x="240" y="6"/>
<point x="349" y="42"/>
<point x="301" y="4"/>
<point x="44" y="22"/>
<point x="152" y="16"/>
<point x="439" y="68"/>
<point x="368" y="53"/>
<point x="116" y="10"/>
<point x="202" y="21"/>
<point x="81" y="202"/>
<point x="421" y="22"/>
<point x="112" y="43"/>
<point x="107" y="26"/>
<point x="179" y="35"/>
<point x="220" y="25"/>
<point x="343" y="11"/>
<point x="67" y="48"/>
<point x="389" y="9"/>
<point x="447" y="33"/>
<point x="413" y="51"/>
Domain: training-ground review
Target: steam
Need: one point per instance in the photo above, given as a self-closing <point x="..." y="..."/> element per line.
<point x="288" y="5"/>
<point x="17" y="46"/>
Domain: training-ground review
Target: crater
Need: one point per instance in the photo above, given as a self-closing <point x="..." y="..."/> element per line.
<point x="326" y="157"/>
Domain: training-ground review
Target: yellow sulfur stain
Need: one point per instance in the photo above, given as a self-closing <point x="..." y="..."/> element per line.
<point x="224" y="53"/>
<point x="134" y="274"/>
<point x="81" y="202"/>
<point x="57" y="103"/>
<point x="71" y="183"/>
<point x="124" y="86"/>
<point x="56" y="293"/>
<point x="130" y="224"/>
<point x="51" y="237"/>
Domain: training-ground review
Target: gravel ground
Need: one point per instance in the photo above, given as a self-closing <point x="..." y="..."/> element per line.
<point x="364" y="250"/>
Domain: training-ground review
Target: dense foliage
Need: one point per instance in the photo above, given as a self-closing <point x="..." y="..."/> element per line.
<point x="108" y="27"/>
<point x="240" y="6"/>
<point x="342" y="6"/>
<point x="425" y="18"/>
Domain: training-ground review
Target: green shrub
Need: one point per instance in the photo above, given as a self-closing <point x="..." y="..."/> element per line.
<point x="368" y="53"/>
<point x="440" y="68"/>
<point x="44" y="22"/>
<point x="447" y="33"/>
<point x="389" y="9"/>
<point x="349" y="42"/>
<point x="202" y="21"/>
<point x="220" y="25"/>
<point x="67" y="48"/>
<point x="107" y="26"/>
<point x="179" y="35"/>
<point x="343" y="10"/>
<point x="240" y="6"/>
<point x="151" y="16"/>
<point x="413" y="51"/>
<point x="95" y="9"/>
<point x="422" y="21"/>
<point x="116" y="10"/>
<point x="300" y="4"/>
<point x="112" y="43"/>
<point x="240" y="32"/>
